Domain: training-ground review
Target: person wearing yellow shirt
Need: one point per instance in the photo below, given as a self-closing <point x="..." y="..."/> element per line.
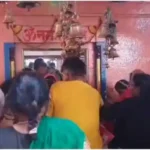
<point x="77" y="101"/>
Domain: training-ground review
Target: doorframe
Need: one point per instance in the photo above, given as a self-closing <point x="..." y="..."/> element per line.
<point x="101" y="46"/>
<point x="7" y="63"/>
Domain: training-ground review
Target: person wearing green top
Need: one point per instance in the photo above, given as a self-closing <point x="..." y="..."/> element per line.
<point x="55" y="133"/>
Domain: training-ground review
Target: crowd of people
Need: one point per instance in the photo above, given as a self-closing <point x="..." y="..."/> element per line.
<point x="45" y="109"/>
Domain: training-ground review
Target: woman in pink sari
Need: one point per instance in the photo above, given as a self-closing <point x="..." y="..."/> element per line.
<point x="124" y="92"/>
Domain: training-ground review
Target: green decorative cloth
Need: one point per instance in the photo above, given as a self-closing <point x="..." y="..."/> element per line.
<point x="55" y="133"/>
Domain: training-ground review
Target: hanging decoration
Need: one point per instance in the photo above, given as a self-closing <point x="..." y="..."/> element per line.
<point x="92" y="29"/>
<point x="71" y="32"/>
<point x="111" y="53"/>
<point x="16" y="29"/>
<point x="109" y="29"/>
<point x="8" y="19"/>
<point x="28" y="4"/>
<point x="67" y="28"/>
<point x="109" y="32"/>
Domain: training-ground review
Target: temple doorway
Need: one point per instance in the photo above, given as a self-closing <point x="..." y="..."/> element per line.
<point x="47" y="55"/>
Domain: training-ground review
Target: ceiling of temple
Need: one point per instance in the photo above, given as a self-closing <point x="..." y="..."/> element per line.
<point x="83" y="8"/>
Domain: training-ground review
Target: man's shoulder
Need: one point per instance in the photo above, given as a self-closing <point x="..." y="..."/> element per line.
<point x="82" y="85"/>
<point x="95" y="94"/>
<point x="92" y="89"/>
<point x="58" y="84"/>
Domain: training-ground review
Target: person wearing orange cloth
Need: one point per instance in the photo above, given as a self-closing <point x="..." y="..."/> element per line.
<point x="77" y="101"/>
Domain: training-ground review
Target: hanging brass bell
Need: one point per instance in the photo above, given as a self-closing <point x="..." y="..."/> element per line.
<point x="107" y="65"/>
<point x="106" y="53"/>
<point x="103" y="31"/>
<point x="113" y="53"/>
<point x="114" y="41"/>
<point x="58" y="29"/>
<point x="76" y="30"/>
<point x="8" y="19"/>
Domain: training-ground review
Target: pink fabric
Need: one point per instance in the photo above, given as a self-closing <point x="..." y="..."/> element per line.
<point x="106" y="135"/>
<point x="109" y="126"/>
<point x="127" y="94"/>
<point x="50" y="75"/>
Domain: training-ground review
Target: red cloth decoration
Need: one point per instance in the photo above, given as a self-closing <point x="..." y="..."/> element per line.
<point x="106" y="135"/>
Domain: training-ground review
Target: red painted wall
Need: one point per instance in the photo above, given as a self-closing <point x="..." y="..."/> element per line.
<point x="133" y="31"/>
<point x="134" y="45"/>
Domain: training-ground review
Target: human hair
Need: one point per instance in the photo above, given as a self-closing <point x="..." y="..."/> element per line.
<point x="26" y="69"/>
<point x="75" y="66"/>
<point x="121" y="85"/>
<point x="52" y="65"/>
<point x="134" y="72"/>
<point x="39" y="62"/>
<point x="27" y="95"/>
<point x="142" y="81"/>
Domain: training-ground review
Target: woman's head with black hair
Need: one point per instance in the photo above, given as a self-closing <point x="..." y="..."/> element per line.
<point x="121" y="86"/>
<point x="28" y="94"/>
<point x="141" y="85"/>
<point x="27" y="69"/>
<point x="5" y="86"/>
<point x="73" y="68"/>
<point x="134" y="72"/>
